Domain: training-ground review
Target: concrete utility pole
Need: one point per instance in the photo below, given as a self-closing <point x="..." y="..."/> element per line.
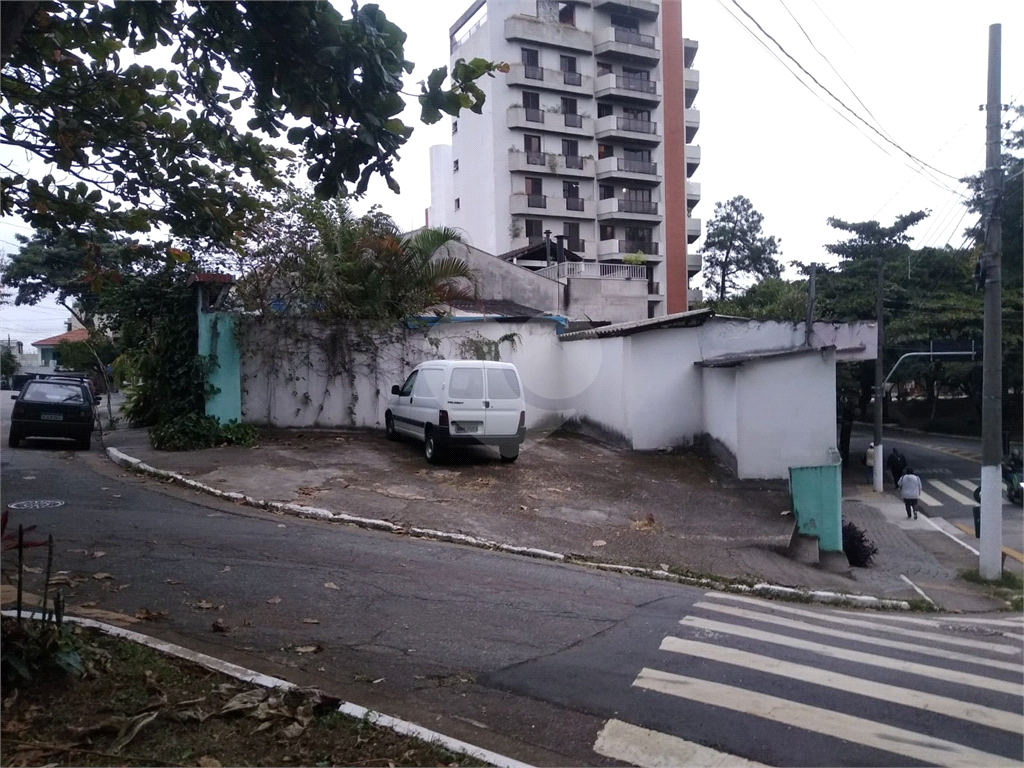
<point x="809" y="322"/>
<point x="879" y="377"/>
<point x="990" y="557"/>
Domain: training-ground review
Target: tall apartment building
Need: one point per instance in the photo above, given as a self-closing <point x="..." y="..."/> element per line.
<point x="588" y="136"/>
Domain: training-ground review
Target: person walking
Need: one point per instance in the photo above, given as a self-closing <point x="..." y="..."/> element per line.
<point x="869" y="463"/>
<point x="897" y="465"/>
<point x="910" y="489"/>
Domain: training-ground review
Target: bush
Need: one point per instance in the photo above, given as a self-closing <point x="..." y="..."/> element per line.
<point x="857" y="547"/>
<point x="197" y="431"/>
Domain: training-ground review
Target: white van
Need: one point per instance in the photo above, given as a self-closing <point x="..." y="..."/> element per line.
<point x="459" y="402"/>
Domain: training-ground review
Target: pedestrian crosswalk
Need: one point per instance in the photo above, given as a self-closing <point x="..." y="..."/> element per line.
<point x="939" y="493"/>
<point x="752" y="681"/>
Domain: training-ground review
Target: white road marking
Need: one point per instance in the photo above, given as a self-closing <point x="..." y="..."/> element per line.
<point x="957" y="539"/>
<point x="857" y="730"/>
<point x="931" y="501"/>
<point x="917" y="589"/>
<point x="952" y="493"/>
<point x="942" y="653"/>
<point x="968" y="485"/>
<point x="653" y="749"/>
<point x="829" y="616"/>
<point x="908" y="697"/>
<point x="885" y="662"/>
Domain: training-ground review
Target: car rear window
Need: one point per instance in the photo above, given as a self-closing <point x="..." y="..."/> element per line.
<point x="502" y="384"/>
<point x="53" y="392"/>
<point x="466" y="384"/>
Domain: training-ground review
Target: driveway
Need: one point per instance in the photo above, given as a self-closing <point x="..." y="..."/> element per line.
<point x="565" y="494"/>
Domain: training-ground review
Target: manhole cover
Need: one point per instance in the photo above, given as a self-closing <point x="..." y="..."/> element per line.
<point x="36" y="504"/>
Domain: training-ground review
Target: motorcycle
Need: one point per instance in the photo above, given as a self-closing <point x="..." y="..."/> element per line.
<point x="1013" y="479"/>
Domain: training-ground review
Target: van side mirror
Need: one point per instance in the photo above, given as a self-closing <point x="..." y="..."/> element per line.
<point x="395" y="389"/>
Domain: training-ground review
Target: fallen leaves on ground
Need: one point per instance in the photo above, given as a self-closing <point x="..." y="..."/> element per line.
<point x="331" y="585"/>
<point x="205" y="605"/>
<point x="101" y="576"/>
<point x="147" y="615"/>
<point x="311" y="621"/>
<point x="219" y="625"/>
<point x="97" y="554"/>
<point x="274" y="601"/>
<point x="171" y="581"/>
<point x="308" y="648"/>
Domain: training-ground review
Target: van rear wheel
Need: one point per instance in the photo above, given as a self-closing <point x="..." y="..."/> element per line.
<point x="431" y="449"/>
<point x="509" y="453"/>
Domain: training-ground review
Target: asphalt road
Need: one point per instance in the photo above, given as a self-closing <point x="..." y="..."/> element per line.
<point x="547" y="663"/>
<point x="950" y="468"/>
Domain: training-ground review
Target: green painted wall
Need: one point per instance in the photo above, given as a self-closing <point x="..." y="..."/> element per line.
<point x="817" y="495"/>
<point x="217" y="337"/>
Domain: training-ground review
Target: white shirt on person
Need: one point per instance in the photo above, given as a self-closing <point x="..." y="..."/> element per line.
<point x="910" y="486"/>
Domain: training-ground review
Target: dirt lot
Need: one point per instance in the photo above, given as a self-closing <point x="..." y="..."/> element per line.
<point x="565" y="494"/>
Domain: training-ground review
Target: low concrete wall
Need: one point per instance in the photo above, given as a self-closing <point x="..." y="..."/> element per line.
<point x="615" y="301"/>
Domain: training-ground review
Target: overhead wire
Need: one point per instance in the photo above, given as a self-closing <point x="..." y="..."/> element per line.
<point x="837" y="99"/>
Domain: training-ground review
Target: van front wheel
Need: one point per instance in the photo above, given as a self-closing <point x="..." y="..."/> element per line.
<point x="431" y="449"/>
<point x="509" y="453"/>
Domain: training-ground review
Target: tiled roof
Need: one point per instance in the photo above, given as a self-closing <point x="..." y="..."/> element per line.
<point x="495" y="307"/>
<point x="78" y="334"/>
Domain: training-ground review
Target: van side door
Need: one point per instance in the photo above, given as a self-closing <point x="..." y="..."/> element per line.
<point x="426" y="398"/>
<point x="403" y="406"/>
<point x="465" y="400"/>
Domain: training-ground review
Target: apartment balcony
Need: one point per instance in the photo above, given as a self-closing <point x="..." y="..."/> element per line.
<point x="691" y="85"/>
<point x="540" y="78"/>
<point x="627" y="45"/>
<point x="628" y="130"/>
<point x="617" y="209"/>
<point x="627" y="88"/>
<point x="594" y="270"/>
<point x="552" y="122"/>
<point x="689" y="52"/>
<point x="692" y="230"/>
<point x="548" y="163"/>
<point x="551" y="206"/>
<point x="692" y="119"/>
<point x="585" y="248"/>
<point x="692" y="193"/>
<point x="617" y="249"/>
<point x="643" y="9"/>
<point x="531" y="29"/>
<point x="694" y="262"/>
<point x="634" y="171"/>
<point x="692" y="159"/>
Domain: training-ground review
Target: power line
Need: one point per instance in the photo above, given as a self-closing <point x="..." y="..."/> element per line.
<point x="836" y="98"/>
<point x="833" y="25"/>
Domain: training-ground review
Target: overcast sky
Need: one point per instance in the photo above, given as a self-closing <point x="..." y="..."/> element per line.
<point x="918" y="66"/>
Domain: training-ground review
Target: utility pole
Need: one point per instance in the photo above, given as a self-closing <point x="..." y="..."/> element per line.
<point x="809" y="322"/>
<point x="879" y="376"/>
<point x="990" y="557"/>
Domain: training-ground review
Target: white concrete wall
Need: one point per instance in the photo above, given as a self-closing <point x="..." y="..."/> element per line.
<point x="785" y="414"/>
<point x="597" y="386"/>
<point x="719" y="402"/>
<point x="439" y="213"/>
<point x="614" y="301"/>
<point x="666" y="388"/>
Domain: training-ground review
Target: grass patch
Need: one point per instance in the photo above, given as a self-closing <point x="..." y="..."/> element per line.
<point x="1009" y="587"/>
<point x="184" y="714"/>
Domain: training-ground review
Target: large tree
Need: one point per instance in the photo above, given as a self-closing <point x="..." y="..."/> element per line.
<point x="171" y="116"/>
<point x="736" y="249"/>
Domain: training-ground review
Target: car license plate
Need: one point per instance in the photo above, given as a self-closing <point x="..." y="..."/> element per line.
<point x="52" y="416"/>
<point x="465" y="428"/>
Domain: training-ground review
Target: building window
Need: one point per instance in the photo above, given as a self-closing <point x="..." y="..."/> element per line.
<point x="534" y="231"/>
<point x="637" y="155"/>
<point x="531" y="57"/>
<point x="457" y="204"/>
<point x="534" y="185"/>
<point x="531" y="142"/>
<point x="640" y="195"/>
<point x="570" y="189"/>
<point x="603" y="110"/>
<point x="606" y="191"/>
<point x="603" y="68"/>
<point x="567" y="63"/>
<point x="568" y="106"/>
<point x="607" y="232"/>
<point x="605" y="150"/>
<point x="455" y="165"/>
<point x="570" y="147"/>
<point x="567" y="14"/>
<point x="572" y="236"/>
<point x="625" y="22"/>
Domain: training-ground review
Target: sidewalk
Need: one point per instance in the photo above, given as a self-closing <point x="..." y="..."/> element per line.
<point x="584" y="501"/>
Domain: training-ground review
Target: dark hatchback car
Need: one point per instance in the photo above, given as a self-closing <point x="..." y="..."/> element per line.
<point x="48" y="408"/>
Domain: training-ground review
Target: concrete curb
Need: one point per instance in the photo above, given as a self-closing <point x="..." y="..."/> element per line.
<point x="395" y="724"/>
<point x="299" y="510"/>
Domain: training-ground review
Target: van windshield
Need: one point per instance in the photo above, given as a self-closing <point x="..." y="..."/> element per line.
<point x="502" y="384"/>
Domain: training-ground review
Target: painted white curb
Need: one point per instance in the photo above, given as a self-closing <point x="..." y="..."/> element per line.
<point x="843" y="598"/>
<point x="403" y="727"/>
